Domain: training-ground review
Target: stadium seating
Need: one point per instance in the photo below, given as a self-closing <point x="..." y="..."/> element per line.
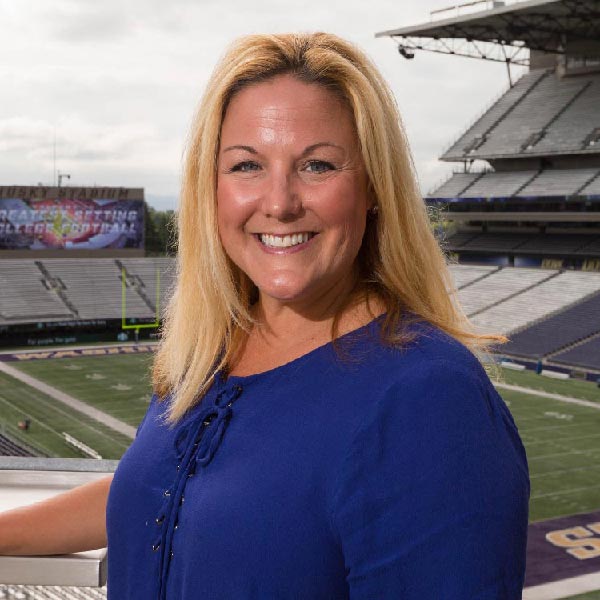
<point x="572" y="127"/>
<point x="458" y="239"/>
<point x="564" y="328"/>
<point x="10" y="448"/>
<point x="453" y="187"/>
<point x="53" y="592"/>
<point x="593" y="187"/>
<point x="542" y="114"/>
<point x="79" y="289"/>
<point x="553" y="294"/>
<point x="500" y="299"/>
<point x="94" y="288"/>
<point x="549" y="244"/>
<point x="590" y="248"/>
<point x="495" y="242"/>
<point x="499" y="286"/>
<point x="522" y="184"/>
<point x="145" y="270"/>
<point x="559" y="182"/>
<point x="586" y="355"/>
<point x="502" y="184"/>
<point x="465" y="274"/>
<point x="464" y="146"/>
<point x="23" y="297"/>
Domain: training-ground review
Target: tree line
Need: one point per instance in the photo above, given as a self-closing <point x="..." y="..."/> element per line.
<point x="161" y="237"/>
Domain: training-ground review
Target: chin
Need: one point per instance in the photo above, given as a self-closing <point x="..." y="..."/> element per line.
<point x="283" y="291"/>
<point x="282" y="294"/>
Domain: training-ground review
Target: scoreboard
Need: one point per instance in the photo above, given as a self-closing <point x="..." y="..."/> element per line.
<point x="71" y="218"/>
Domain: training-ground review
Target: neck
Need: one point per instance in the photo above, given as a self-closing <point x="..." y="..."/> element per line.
<point x="285" y="331"/>
<point x="280" y="319"/>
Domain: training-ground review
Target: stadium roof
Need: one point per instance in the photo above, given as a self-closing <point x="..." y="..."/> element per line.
<point x="546" y="25"/>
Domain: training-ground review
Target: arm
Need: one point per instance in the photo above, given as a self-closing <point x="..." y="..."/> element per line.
<point x="432" y="499"/>
<point x="73" y="521"/>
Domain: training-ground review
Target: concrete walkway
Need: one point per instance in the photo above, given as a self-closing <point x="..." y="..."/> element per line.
<point x="70" y="401"/>
<point x="559" y="397"/>
<point x="566" y="588"/>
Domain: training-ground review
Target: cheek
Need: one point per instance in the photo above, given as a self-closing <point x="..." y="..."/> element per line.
<point x="235" y="206"/>
<point x="344" y="208"/>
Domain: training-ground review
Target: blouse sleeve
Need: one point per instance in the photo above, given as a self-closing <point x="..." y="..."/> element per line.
<point x="432" y="498"/>
<point x="141" y="424"/>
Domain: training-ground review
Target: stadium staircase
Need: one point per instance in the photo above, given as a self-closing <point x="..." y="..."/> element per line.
<point x="584" y="355"/>
<point x="589" y="182"/>
<point x="558" y="311"/>
<point x="471" y="183"/>
<point x="135" y="282"/>
<point x="514" y="294"/>
<point x="10" y="448"/>
<point x="484" y="275"/>
<point x="522" y="187"/>
<point x="477" y="133"/>
<point x="541" y="133"/>
<point x="568" y="347"/>
<point x="56" y="285"/>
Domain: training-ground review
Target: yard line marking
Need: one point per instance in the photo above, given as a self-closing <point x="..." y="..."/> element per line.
<point x="563" y="492"/>
<point x="558" y="472"/>
<point x="564" y="425"/>
<point x="559" y="397"/>
<point x="564" y="439"/>
<point x="80" y="422"/>
<point x="77" y="405"/>
<point x="565" y="452"/>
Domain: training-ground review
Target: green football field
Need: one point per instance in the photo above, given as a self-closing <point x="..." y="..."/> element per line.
<point x="118" y="384"/>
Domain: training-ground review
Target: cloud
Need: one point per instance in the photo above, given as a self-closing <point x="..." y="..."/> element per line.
<point x="119" y="81"/>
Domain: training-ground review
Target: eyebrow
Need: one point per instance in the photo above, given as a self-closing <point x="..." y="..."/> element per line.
<point x="306" y="151"/>
<point x="246" y="148"/>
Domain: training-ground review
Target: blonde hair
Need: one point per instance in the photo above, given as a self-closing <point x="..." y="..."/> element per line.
<point x="401" y="262"/>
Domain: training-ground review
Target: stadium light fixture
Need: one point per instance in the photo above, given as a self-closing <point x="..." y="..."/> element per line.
<point x="62" y="176"/>
<point x="405" y="52"/>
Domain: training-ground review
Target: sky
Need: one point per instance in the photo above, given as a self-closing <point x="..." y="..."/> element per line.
<point x="106" y="90"/>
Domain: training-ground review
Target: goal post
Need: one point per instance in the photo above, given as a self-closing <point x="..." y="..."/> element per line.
<point x="124" y="324"/>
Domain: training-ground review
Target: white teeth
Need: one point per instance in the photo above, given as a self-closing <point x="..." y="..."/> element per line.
<point x="286" y="241"/>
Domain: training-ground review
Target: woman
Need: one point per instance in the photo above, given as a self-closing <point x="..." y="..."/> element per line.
<point x="320" y="426"/>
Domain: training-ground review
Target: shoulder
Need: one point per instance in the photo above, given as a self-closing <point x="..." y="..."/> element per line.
<point x="430" y="358"/>
<point x="430" y="396"/>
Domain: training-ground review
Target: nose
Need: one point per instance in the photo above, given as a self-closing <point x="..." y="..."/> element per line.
<point x="281" y="198"/>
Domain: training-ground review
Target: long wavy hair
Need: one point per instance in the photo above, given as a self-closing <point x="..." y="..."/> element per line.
<point x="400" y="260"/>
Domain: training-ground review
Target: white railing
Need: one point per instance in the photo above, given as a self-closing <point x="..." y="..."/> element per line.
<point x="469" y="7"/>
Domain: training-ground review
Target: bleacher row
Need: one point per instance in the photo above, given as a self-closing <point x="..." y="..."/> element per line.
<point x="50" y="592"/>
<point x="547" y="244"/>
<point x="542" y="114"/>
<point x="522" y="184"/>
<point x="514" y="301"/>
<point x="10" y="448"/>
<point x="545" y="313"/>
<point x="81" y="289"/>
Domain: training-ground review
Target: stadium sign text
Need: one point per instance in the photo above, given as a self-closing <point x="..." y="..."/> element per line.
<point x="104" y="351"/>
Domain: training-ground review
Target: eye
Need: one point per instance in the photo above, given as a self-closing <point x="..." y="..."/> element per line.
<point x="318" y="166"/>
<point x="246" y="166"/>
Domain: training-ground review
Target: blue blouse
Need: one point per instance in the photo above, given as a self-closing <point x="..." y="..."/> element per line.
<point x="355" y="471"/>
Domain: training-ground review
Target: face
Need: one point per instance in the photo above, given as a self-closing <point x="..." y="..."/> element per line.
<point x="291" y="190"/>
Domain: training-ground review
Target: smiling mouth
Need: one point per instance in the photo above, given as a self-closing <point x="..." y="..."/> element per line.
<point x="284" y="241"/>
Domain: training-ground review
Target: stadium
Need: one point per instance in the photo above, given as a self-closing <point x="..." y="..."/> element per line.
<point x="519" y="219"/>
